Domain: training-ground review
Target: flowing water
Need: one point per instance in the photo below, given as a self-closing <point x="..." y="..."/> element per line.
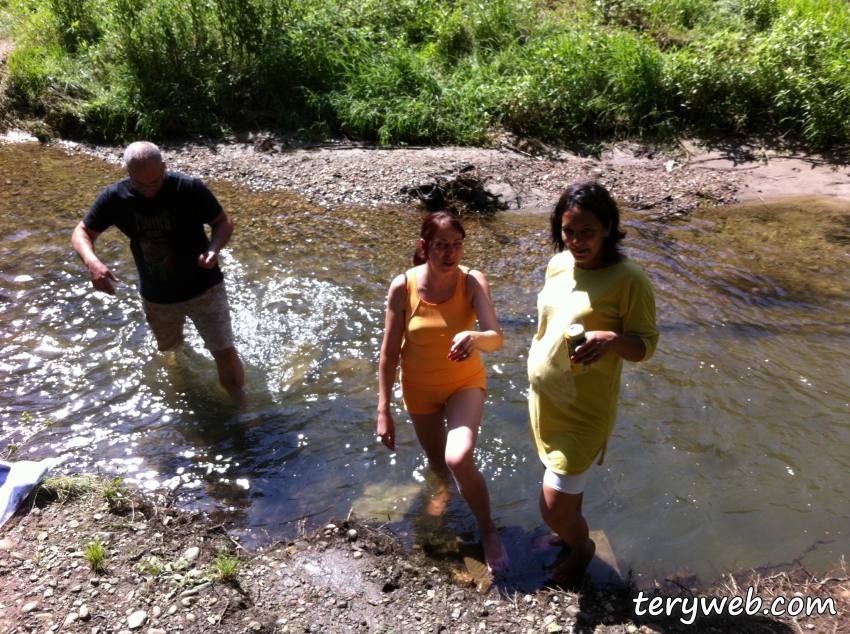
<point x="732" y="448"/>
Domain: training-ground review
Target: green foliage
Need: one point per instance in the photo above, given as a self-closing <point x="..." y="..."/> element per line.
<point x="29" y="419"/>
<point x="654" y="14"/>
<point x="11" y="450"/>
<point x="761" y="13"/>
<point x="76" y="23"/>
<point x="96" y="556"/>
<point x="116" y="495"/>
<point x="177" y="566"/>
<point x="449" y="71"/>
<point x="65" y="488"/>
<point x="225" y="566"/>
<point x="153" y="565"/>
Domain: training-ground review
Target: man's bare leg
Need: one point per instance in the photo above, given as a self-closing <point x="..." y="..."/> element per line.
<point x="231" y="373"/>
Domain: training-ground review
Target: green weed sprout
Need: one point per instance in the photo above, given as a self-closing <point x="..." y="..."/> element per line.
<point x="11" y="450"/>
<point x="116" y="495"/>
<point x="96" y="556"/>
<point x="153" y="566"/>
<point x="225" y="565"/>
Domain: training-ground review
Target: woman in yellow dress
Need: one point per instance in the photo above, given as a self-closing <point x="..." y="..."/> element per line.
<point x="431" y="315"/>
<point x="573" y="408"/>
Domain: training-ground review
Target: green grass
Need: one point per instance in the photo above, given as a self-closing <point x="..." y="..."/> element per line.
<point x="96" y="556"/>
<point x="225" y="566"/>
<point x="444" y="71"/>
<point x="66" y="488"/>
<point x="116" y="495"/>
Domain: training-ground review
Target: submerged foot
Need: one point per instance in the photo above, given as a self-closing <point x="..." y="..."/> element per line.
<point x="547" y="542"/>
<point x="239" y="396"/>
<point x="494" y="551"/>
<point x="571" y="573"/>
<point x="437" y="491"/>
<point x="439" y="501"/>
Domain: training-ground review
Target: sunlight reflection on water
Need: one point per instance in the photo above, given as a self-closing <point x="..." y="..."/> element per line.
<point x="732" y="445"/>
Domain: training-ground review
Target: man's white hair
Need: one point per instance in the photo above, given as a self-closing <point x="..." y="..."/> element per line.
<point x="141" y="152"/>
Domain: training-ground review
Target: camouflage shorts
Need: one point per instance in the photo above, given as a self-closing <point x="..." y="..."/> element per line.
<point x="209" y="311"/>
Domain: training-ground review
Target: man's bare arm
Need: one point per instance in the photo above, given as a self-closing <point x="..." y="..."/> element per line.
<point x="222" y="229"/>
<point x="101" y="277"/>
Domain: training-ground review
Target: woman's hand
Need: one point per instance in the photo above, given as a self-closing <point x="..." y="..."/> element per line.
<point x="598" y="344"/>
<point x="386" y="429"/>
<point x="601" y="342"/>
<point x="463" y="345"/>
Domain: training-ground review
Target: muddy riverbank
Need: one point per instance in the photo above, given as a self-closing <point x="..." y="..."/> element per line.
<point x="165" y="570"/>
<point x="669" y="182"/>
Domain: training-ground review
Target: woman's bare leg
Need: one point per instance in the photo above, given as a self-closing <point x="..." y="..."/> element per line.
<point x="463" y="415"/>
<point x="562" y="513"/>
<point x="431" y="432"/>
<point x="556" y="541"/>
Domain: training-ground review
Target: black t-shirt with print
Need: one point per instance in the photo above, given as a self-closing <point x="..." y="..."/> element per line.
<point x="166" y="234"/>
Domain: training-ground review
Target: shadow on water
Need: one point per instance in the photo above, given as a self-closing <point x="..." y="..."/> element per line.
<point x="731" y="447"/>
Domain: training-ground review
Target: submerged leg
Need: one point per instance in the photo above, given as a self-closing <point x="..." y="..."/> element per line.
<point x="562" y="513"/>
<point x="231" y="374"/>
<point x="463" y="414"/>
<point x="431" y="433"/>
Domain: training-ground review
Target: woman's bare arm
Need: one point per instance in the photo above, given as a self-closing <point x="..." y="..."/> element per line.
<point x="390" y="351"/>
<point x="489" y="338"/>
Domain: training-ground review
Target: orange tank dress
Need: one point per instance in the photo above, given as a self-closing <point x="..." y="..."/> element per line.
<point x="428" y="376"/>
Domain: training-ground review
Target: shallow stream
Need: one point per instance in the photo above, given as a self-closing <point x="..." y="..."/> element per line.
<point x="732" y="448"/>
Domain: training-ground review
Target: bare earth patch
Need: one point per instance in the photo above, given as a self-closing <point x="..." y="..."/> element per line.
<point x="164" y="572"/>
<point x="331" y="174"/>
<point x="668" y="183"/>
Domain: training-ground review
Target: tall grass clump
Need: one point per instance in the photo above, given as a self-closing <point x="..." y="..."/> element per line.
<point x="444" y="71"/>
<point x="581" y="83"/>
<point x="65" y="488"/>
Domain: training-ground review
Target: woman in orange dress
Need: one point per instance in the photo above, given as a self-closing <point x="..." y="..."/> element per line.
<point x="430" y="324"/>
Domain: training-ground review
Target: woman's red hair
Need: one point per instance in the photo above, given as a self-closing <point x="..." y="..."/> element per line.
<point x="433" y="223"/>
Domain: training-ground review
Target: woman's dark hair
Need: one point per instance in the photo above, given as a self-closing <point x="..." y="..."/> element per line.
<point x="433" y="223"/>
<point x="594" y="198"/>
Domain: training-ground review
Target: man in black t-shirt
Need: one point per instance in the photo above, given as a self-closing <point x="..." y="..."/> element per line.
<point x="163" y="214"/>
